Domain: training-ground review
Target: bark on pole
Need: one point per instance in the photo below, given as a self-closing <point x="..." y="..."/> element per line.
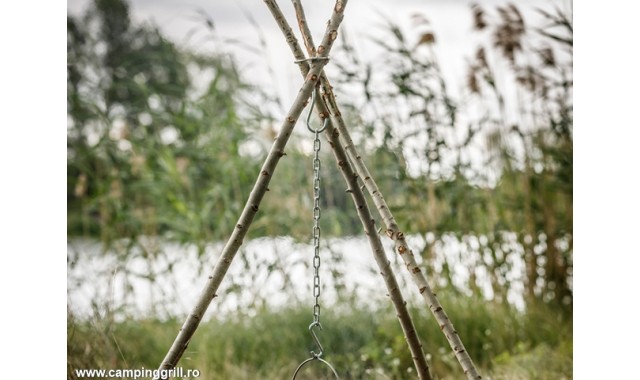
<point x="257" y="193"/>
<point x="401" y="246"/>
<point x="359" y="199"/>
<point x="329" y="106"/>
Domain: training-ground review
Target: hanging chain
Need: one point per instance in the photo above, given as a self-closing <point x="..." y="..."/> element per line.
<point x="316" y="243"/>
<point x="316" y="228"/>
<point x="316" y="214"/>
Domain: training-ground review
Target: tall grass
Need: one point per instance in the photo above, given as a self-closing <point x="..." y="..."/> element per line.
<point x="362" y="343"/>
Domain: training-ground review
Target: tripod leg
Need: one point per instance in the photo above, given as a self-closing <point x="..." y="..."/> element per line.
<point x="259" y="189"/>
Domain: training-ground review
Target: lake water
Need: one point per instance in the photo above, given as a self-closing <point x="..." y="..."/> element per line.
<point x="164" y="279"/>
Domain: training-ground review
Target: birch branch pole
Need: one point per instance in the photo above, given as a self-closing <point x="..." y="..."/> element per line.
<point x="401" y="246"/>
<point x="354" y="189"/>
<point x="392" y="229"/>
<point x="257" y="193"/>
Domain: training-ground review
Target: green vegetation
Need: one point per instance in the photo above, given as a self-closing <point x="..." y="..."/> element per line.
<point x="165" y="143"/>
<point x="360" y="343"/>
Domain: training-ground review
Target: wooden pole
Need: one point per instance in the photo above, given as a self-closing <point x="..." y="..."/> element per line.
<point x="259" y="189"/>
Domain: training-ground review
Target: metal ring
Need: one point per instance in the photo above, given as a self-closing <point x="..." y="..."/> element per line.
<point x="312" y="359"/>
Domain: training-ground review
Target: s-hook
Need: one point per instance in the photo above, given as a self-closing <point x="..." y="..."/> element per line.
<point x="316" y="245"/>
<point x="326" y="120"/>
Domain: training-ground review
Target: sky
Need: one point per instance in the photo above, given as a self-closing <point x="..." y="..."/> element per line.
<point x="272" y="66"/>
<point x="450" y="20"/>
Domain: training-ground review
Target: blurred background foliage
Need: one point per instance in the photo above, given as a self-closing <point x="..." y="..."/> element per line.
<point x="165" y="143"/>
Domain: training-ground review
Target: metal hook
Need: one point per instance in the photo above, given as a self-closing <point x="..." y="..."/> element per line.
<point x="315" y="356"/>
<point x="313" y="103"/>
<point x="315" y="338"/>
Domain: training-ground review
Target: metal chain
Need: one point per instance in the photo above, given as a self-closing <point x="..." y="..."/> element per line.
<point x="316" y="223"/>
<point x="316" y="355"/>
<point x="316" y="227"/>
